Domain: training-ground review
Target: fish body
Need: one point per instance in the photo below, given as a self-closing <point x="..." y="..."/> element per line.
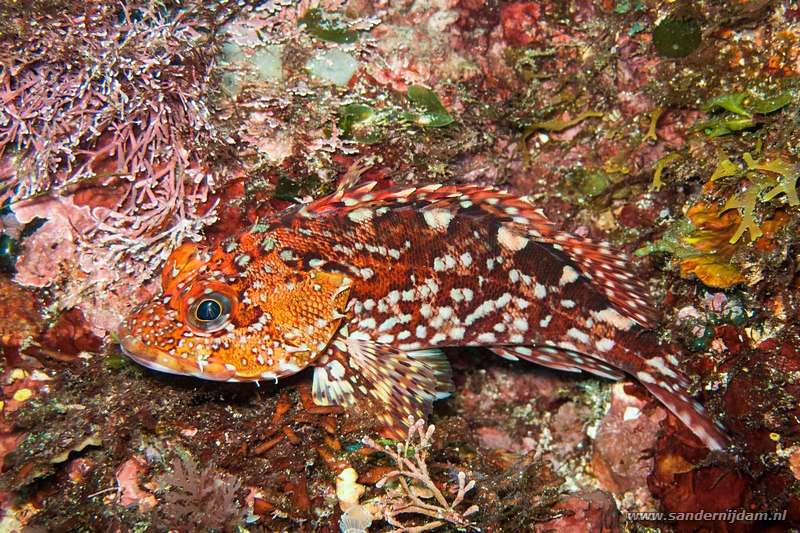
<point x="366" y="286"/>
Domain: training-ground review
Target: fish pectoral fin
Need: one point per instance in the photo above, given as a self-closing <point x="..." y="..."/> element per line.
<point x="559" y="359"/>
<point x="393" y="384"/>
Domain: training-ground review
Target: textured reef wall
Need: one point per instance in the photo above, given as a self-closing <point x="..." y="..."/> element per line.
<point x="129" y="128"/>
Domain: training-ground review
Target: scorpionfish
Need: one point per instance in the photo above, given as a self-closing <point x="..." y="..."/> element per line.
<point x="367" y="285"/>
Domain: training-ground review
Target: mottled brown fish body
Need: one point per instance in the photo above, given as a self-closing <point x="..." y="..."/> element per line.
<point x="365" y="286"/>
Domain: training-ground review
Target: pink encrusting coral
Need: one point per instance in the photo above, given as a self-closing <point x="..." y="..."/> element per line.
<point x="104" y="122"/>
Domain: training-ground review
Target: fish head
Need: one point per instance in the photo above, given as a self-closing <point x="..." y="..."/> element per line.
<point x="235" y="316"/>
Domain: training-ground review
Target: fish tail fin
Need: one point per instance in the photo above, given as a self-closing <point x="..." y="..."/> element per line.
<point x="661" y="377"/>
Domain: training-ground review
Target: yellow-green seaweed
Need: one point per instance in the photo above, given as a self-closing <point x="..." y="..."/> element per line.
<point x="660" y="164"/>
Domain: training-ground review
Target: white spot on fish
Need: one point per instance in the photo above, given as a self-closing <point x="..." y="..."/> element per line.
<point x="604" y="345"/>
<point x="437" y="218"/>
<point x="388" y="324"/>
<point x="503" y="300"/>
<point x="644" y="377"/>
<point x="457" y="333"/>
<point x="510" y="240"/>
<point x="439" y="337"/>
<point x="568" y="275"/>
<point x="425" y="310"/>
<point x="487" y="337"/>
<point x="658" y="364"/>
<point x="578" y="335"/>
<point x="539" y="291"/>
<point x="432" y="285"/>
<point x="362" y="214"/>
<point x="481" y="311"/>
<point x="336" y="369"/>
<point x="457" y="295"/>
<point x="367" y="324"/>
<point x="611" y="316"/>
<point x="445" y="262"/>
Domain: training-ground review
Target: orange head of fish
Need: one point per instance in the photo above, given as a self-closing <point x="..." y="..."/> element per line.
<point x="243" y="315"/>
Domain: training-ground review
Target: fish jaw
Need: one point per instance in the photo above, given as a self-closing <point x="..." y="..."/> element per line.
<point x="200" y="365"/>
<point x="156" y="359"/>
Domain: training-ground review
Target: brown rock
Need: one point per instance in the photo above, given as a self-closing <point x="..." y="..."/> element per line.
<point x="622" y="457"/>
<point x="594" y="511"/>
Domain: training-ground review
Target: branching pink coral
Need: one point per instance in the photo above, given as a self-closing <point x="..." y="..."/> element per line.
<point x="90" y="97"/>
<point x="104" y="110"/>
<point x="411" y="477"/>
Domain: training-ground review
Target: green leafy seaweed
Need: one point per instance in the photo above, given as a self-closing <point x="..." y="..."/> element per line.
<point x="329" y="27"/>
<point x="432" y="111"/>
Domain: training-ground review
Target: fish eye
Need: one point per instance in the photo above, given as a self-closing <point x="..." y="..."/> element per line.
<point x="210" y="312"/>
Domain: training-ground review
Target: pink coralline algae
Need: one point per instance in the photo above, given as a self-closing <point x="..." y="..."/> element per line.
<point x="103" y="131"/>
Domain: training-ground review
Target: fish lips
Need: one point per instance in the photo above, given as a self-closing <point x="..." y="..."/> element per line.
<point x="210" y="368"/>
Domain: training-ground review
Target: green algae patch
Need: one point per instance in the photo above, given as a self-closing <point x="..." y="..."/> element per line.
<point x="594" y="184"/>
<point x="655" y="114"/>
<point x="725" y="169"/>
<point x="766" y="180"/>
<point x="707" y="243"/>
<point x="659" y="168"/>
<point x="677" y="37"/>
<point x="116" y="361"/>
<point x="359" y="123"/>
<point x="432" y="112"/>
<point x="739" y="111"/>
<point x="733" y="102"/>
<point x="330" y="27"/>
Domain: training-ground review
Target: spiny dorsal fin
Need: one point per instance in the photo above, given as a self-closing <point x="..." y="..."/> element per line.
<point x="353" y="174"/>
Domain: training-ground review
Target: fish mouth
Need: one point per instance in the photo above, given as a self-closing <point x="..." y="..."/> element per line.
<point x="210" y="368"/>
